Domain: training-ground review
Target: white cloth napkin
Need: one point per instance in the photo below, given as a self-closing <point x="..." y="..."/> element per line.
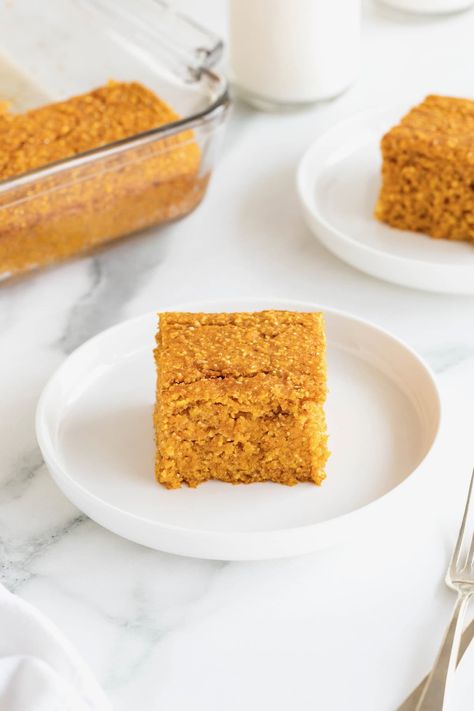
<point x="39" y="669"/>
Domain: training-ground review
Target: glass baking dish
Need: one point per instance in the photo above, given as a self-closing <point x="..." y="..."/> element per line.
<point x="52" y="50"/>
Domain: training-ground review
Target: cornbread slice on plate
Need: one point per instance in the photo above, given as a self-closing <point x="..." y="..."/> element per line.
<point x="428" y="170"/>
<point x="240" y="398"/>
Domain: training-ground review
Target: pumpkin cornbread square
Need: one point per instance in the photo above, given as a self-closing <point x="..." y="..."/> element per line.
<point x="240" y="398"/>
<point x="428" y="170"/>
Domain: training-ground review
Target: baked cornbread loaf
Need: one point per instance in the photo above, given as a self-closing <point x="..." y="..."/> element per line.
<point x="54" y="216"/>
<point x="240" y="398"/>
<point x="428" y="170"/>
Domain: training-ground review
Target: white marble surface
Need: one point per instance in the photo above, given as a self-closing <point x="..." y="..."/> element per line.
<point x="351" y="629"/>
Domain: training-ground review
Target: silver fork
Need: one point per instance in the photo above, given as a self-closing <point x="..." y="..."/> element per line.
<point x="411" y="701"/>
<point x="460" y="577"/>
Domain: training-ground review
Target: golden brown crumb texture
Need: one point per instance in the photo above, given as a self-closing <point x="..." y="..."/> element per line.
<point x="67" y="212"/>
<point x="240" y="398"/>
<point x="428" y="170"/>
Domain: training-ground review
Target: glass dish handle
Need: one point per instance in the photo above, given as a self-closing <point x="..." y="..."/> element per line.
<point x="154" y="29"/>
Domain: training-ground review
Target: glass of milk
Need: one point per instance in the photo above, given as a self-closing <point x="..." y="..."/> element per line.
<point x="285" y="53"/>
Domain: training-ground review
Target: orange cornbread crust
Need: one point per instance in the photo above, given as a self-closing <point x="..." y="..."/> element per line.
<point x="55" y="216"/>
<point x="428" y="170"/>
<point x="240" y="398"/>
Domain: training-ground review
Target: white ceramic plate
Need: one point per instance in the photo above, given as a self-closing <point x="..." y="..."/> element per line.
<point x="429" y="7"/>
<point x="338" y="183"/>
<point x="94" y="427"/>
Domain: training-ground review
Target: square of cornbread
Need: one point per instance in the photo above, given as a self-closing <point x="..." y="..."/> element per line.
<point x="240" y="398"/>
<point x="428" y="170"/>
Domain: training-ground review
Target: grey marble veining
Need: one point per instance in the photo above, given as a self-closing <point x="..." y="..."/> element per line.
<point x="116" y="274"/>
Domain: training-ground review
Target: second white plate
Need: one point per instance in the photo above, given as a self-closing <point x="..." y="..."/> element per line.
<point x="338" y="183"/>
<point x="94" y="427"/>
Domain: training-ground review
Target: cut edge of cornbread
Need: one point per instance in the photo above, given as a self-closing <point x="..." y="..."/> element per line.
<point x="428" y="170"/>
<point x="246" y="408"/>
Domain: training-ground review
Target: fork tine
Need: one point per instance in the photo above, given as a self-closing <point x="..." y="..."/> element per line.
<point x="454" y="565"/>
<point x="470" y="555"/>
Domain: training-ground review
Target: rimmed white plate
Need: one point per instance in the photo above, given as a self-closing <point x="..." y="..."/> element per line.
<point x="338" y="183"/>
<point x="94" y="428"/>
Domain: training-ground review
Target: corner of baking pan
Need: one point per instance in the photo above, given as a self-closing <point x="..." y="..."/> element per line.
<point x="217" y="110"/>
<point x="187" y="48"/>
<point x="183" y="45"/>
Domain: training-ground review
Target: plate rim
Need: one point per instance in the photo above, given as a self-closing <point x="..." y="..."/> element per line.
<point x="61" y="475"/>
<point x="304" y="185"/>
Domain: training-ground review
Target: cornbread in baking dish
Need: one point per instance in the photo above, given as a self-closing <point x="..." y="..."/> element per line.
<point x="428" y="170"/>
<point x="54" y="214"/>
<point x="240" y="398"/>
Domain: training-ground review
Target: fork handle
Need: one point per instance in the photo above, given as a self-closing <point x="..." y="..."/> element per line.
<point x="436" y="690"/>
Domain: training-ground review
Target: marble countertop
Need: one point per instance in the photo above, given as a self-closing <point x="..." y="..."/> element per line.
<point x="351" y="629"/>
